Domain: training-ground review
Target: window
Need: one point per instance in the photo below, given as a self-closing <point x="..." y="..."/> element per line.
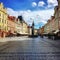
<point x="0" y="14"/>
<point x="0" y="20"/>
<point x="3" y="16"/>
<point x="5" y="21"/>
<point x="0" y="27"/>
<point x="5" y="29"/>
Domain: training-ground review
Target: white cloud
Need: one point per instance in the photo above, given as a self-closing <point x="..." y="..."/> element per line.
<point x="52" y="3"/>
<point x="12" y="12"/>
<point x="34" y="4"/>
<point x="28" y="10"/>
<point x="29" y="16"/>
<point x="41" y="3"/>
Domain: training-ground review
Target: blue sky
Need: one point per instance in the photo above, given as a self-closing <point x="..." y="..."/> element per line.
<point x="38" y="11"/>
<point x="20" y="4"/>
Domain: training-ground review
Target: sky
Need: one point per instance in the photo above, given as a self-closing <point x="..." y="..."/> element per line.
<point x="38" y="11"/>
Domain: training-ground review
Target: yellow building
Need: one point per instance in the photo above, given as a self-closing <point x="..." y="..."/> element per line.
<point x="35" y="31"/>
<point x="18" y="26"/>
<point x="29" y="30"/>
<point x="3" y="21"/>
<point x="25" y="28"/>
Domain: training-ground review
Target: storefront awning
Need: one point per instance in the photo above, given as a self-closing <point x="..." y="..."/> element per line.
<point x="56" y="31"/>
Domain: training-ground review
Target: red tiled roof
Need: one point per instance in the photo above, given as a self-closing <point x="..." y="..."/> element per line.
<point x="29" y="26"/>
<point x="11" y="17"/>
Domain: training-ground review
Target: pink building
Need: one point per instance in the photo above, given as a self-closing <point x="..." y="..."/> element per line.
<point x="11" y="25"/>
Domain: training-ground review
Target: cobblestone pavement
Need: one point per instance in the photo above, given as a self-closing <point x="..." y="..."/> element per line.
<point x="24" y="48"/>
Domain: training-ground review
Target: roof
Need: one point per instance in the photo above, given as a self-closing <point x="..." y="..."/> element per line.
<point x="29" y="26"/>
<point x="11" y="17"/>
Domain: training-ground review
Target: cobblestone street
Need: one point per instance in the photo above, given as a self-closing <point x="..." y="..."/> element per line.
<point x="20" y="48"/>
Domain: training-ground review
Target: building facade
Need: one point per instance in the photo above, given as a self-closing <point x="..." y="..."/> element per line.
<point x="11" y="25"/>
<point x="56" y="17"/>
<point x="18" y="26"/>
<point x="35" y="31"/>
<point x="52" y="23"/>
<point x="41" y="30"/>
<point x="3" y="21"/>
<point x="25" y="28"/>
<point x="29" y="30"/>
<point x="47" y="27"/>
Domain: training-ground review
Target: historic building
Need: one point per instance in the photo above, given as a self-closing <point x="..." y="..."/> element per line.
<point x="41" y="30"/>
<point x="11" y="25"/>
<point x="57" y="17"/>
<point x="18" y="26"/>
<point x="47" y="27"/>
<point x="52" y="23"/>
<point x="3" y="21"/>
<point x="35" y="31"/>
<point x="29" y="30"/>
<point x="25" y="28"/>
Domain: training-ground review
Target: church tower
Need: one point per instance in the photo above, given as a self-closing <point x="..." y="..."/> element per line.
<point x="58" y="3"/>
<point x="33" y="28"/>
